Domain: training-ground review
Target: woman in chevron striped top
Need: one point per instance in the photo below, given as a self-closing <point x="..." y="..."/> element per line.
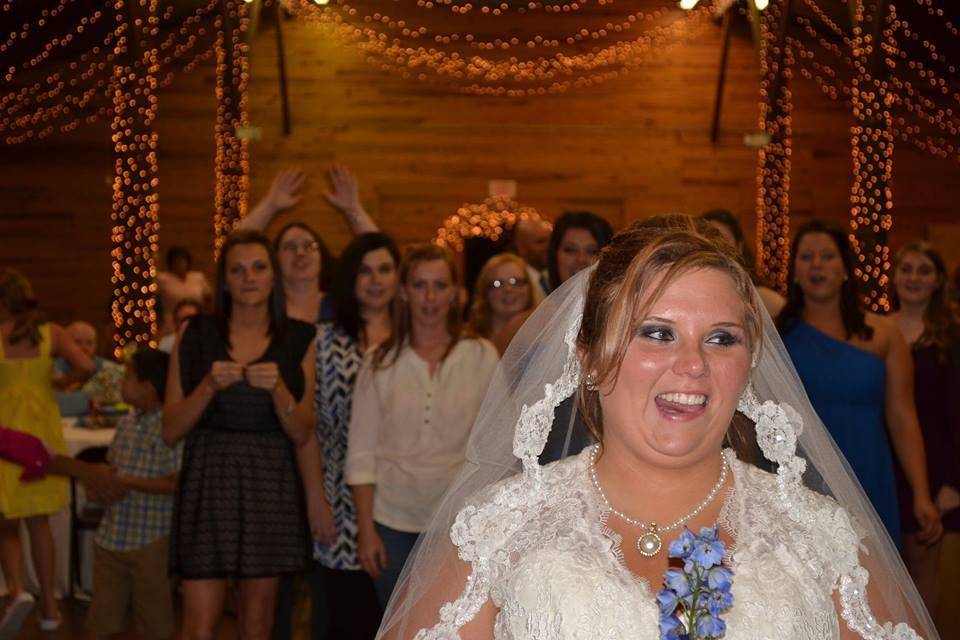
<point x="363" y="295"/>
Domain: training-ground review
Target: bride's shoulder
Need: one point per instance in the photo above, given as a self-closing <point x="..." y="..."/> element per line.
<point x="780" y="511"/>
<point x="496" y="516"/>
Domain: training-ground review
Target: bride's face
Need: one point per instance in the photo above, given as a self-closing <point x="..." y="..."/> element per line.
<point x="682" y="375"/>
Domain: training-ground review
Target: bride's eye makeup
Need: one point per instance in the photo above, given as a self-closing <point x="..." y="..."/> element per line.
<point x="658" y="333"/>
<point x="723" y="339"/>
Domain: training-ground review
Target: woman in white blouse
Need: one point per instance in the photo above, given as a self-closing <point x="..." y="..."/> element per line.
<point x="414" y="404"/>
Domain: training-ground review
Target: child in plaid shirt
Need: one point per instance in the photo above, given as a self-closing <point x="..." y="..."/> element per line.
<point x="130" y="561"/>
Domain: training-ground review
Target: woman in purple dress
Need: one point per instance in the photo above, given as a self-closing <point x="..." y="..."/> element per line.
<point x="923" y="315"/>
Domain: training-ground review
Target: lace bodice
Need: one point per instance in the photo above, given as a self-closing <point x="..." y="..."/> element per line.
<point x="554" y="571"/>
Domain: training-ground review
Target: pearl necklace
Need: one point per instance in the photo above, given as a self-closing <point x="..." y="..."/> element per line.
<point x="649" y="543"/>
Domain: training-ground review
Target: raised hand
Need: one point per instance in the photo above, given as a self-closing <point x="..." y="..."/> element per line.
<point x="285" y="190"/>
<point x="343" y="194"/>
<point x="224" y="373"/>
<point x="264" y="375"/>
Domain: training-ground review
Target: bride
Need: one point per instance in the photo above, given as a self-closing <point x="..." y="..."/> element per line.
<point x="699" y="419"/>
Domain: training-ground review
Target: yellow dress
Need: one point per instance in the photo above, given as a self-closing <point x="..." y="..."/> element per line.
<point x="27" y="404"/>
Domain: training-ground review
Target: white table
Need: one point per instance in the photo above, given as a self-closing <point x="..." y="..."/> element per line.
<point x="77" y="439"/>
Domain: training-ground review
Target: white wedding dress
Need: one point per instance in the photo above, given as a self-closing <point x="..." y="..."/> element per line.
<point x="532" y="540"/>
<point x="555" y="571"/>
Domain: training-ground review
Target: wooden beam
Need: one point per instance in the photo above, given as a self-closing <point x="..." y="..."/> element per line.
<point x="721" y="78"/>
<point x="282" y="70"/>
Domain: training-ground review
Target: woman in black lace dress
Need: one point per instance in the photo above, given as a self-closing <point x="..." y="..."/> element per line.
<point x="241" y="393"/>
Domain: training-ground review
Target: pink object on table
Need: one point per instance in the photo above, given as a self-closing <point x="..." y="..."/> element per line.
<point x="25" y="450"/>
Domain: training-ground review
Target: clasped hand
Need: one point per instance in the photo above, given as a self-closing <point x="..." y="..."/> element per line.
<point x="263" y="375"/>
<point x="103" y="484"/>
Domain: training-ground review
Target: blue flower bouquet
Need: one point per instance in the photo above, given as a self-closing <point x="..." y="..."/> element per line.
<point x="693" y="598"/>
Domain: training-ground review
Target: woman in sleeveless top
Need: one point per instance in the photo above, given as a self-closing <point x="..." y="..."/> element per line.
<point x="241" y="394"/>
<point x="921" y="311"/>
<point x="27" y="349"/>
<point x="855" y="367"/>
<point x="364" y="294"/>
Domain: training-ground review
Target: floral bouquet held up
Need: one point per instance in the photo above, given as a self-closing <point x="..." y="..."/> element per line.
<point x="694" y="597"/>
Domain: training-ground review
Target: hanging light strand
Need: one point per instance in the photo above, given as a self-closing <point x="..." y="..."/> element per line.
<point x="490" y="219"/>
<point x="135" y="195"/>
<point x="232" y="161"/>
<point x="871" y="194"/>
<point x="773" y="159"/>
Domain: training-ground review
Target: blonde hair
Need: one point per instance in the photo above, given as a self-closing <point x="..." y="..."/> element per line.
<point x="386" y="354"/>
<point x="16" y="296"/>
<point x="669" y="245"/>
<point x="481" y="314"/>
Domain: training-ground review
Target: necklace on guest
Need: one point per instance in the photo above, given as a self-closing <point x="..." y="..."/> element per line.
<point x="649" y="543"/>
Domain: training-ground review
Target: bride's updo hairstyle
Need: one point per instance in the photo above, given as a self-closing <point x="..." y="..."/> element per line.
<point x="621" y="293"/>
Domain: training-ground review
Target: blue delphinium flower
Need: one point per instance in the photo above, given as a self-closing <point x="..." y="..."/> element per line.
<point x="682" y="546"/>
<point x="668" y="601"/>
<point x="719" y="578"/>
<point x="693" y="598"/>
<point x="709" y="626"/>
<point x="670" y="628"/>
<point x="678" y="582"/>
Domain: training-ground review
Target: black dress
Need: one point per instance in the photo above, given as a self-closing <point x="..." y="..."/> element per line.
<point x="239" y="508"/>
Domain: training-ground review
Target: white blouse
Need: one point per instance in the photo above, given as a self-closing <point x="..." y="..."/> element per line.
<point x="409" y="429"/>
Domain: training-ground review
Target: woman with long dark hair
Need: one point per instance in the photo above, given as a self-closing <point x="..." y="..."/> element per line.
<point x="414" y="403"/>
<point x="921" y="310"/>
<point x="729" y="227"/>
<point x="364" y="295"/>
<point x="575" y="244"/>
<point x="856" y="368"/>
<point x="240" y="392"/>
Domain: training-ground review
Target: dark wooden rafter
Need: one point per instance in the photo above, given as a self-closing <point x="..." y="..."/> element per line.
<point x="721" y="77"/>
<point x="773" y="171"/>
<point x="282" y="70"/>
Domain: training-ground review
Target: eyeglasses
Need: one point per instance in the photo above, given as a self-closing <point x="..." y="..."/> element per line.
<point x="512" y="282"/>
<point x="307" y="246"/>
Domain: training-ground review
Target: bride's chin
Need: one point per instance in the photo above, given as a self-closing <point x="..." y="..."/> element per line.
<point x="678" y="447"/>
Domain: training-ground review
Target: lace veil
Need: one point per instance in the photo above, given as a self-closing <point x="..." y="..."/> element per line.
<point x="443" y="585"/>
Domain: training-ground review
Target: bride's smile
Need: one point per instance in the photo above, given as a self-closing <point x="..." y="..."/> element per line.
<point x="682" y="373"/>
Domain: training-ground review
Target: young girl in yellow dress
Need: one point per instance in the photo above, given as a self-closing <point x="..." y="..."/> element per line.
<point x="28" y="346"/>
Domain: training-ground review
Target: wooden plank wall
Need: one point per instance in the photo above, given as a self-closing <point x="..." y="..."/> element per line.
<point x="629" y="148"/>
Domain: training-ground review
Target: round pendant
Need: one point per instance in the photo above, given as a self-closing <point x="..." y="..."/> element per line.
<point x="649" y="544"/>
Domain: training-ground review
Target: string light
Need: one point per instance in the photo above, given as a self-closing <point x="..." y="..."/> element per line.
<point x="80" y="91"/>
<point x="232" y="159"/>
<point x="135" y="196"/>
<point x="491" y="67"/>
<point x="773" y="159"/>
<point x="918" y="98"/>
<point x="489" y="219"/>
<point x="871" y="196"/>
